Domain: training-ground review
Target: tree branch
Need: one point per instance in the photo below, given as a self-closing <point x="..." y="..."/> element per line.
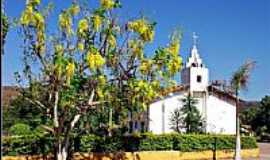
<point x="35" y="102"/>
<point x="47" y="128"/>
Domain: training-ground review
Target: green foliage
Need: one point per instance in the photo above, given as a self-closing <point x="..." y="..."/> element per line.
<point x="193" y="142"/>
<point x="248" y="142"/>
<point x="265" y="113"/>
<point x="248" y="115"/>
<point x="145" y="142"/>
<point x="258" y="117"/>
<point x="153" y="142"/>
<point x="176" y="120"/>
<point x="4" y="29"/>
<point x="20" y="129"/>
<point x="240" y="78"/>
<point x="22" y="111"/>
<point x="148" y="142"/>
<point x="26" y="145"/>
<point x="187" y="117"/>
<point x="87" y="143"/>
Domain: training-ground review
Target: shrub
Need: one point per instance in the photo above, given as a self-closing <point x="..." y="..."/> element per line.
<point x="109" y="144"/>
<point x="26" y="145"/>
<point x="33" y="144"/>
<point x="20" y="129"/>
<point x="19" y="145"/>
<point x="188" y="143"/>
<point x="249" y="142"/>
<point x="88" y="143"/>
<point x="156" y="142"/>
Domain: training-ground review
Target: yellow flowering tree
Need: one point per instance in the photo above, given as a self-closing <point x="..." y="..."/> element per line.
<point x="90" y="61"/>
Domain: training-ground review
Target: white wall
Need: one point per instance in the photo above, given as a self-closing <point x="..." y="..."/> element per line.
<point x="157" y="114"/>
<point x="198" y="86"/>
<point x="220" y="116"/>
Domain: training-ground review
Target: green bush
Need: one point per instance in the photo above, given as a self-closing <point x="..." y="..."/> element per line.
<point x="188" y="143"/>
<point x="248" y="142"/>
<point x="20" y="129"/>
<point x="33" y="144"/>
<point x="26" y="145"/>
<point x="156" y="142"/>
<point x="147" y="142"/>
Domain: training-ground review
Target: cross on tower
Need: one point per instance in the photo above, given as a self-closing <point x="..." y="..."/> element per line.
<point x="195" y="39"/>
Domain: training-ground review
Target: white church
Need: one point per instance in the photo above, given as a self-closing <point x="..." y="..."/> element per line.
<point x="217" y="107"/>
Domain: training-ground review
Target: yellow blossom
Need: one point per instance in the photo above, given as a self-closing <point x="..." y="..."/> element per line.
<point x="82" y="26"/>
<point x="97" y="22"/>
<point x="142" y="27"/>
<point x="107" y="4"/>
<point x="74" y="9"/>
<point x="174" y="47"/>
<point x="39" y="21"/>
<point x="70" y="69"/>
<point x="40" y="41"/>
<point x="40" y="47"/>
<point x="95" y="60"/>
<point x="65" y="22"/>
<point x="148" y="35"/>
<point x="101" y="80"/>
<point x="141" y="84"/>
<point x="155" y="84"/>
<point x="137" y="48"/>
<point x="112" y="41"/>
<point x="100" y="93"/>
<point x="145" y="66"/>
<point x="81" y="46"/>
<point x="27" y="15"/>
<point x="59" y="49"/>
<point x="175" y="65"/>
<point x="34" y="2"/>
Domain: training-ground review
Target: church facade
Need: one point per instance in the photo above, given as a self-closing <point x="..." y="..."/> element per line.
<point x="216" y="106"/>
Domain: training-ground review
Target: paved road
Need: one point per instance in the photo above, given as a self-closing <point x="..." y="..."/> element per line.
<point x="264" y="151"/>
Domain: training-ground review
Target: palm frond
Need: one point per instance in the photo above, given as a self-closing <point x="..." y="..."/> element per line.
<point x="240" y="78"/>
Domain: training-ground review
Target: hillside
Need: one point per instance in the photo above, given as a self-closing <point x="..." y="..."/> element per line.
<point x="8" y="93"/>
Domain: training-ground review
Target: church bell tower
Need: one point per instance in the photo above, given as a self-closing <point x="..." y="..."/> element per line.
<point x="195" y="74"/>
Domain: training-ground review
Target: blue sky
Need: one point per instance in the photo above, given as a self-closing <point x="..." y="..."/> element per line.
<point x="230" y="32"/>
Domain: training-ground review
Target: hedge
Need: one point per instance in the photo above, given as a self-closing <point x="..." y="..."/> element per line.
<point x="144" y="142"/>
<point x="26" y="145"/>
<point x="179" y="142"/>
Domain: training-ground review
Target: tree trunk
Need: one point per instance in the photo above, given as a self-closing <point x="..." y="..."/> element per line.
<point x="61" y="153"/>
<point x="238" y="139"/>
<point x="110" y="122"/>
<point x="62" y="146"/>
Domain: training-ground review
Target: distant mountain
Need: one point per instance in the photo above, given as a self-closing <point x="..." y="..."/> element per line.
<point x="8" y="93"/>
<point x="249" y="104"/>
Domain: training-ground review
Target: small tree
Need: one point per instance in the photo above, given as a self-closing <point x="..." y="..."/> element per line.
<point x="192" y="119"/>
<point x="176" y="120"/>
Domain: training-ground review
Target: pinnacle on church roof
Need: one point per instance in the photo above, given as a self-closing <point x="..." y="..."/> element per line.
<point x="194" y="58"/>
<point x="195" y="39"/>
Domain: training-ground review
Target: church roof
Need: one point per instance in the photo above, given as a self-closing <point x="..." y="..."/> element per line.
<point x="223" y="95"/>
<point x="212" y="90"/>
<point x="174" y="89"/>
